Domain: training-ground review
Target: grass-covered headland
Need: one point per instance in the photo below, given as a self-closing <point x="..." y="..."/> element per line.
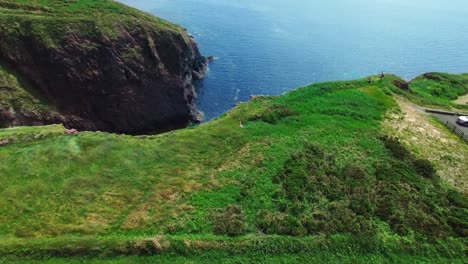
<point x="52" y="19"/>
<point x="309" y="176"/>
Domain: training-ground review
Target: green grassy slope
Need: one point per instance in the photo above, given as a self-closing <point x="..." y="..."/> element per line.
<point x="439" y="90"/>
<point x="309" y="173"/>
<point x="50" y="21"/>
<point x="216" y="257"/>
<point x="75" y="10"/>
<point x="17" y="95"/>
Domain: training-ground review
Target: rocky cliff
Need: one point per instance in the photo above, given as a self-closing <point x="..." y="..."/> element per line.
<point x="96" y="65"/>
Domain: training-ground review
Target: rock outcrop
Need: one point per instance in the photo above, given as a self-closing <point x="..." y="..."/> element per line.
<point x="135" y="79"/>
<point x="401" y="84"/>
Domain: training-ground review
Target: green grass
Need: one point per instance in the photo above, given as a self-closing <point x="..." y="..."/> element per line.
<point x="18" y="96"/>
<point x="438" y="90"/>
<point x="50" y="21"/>
<point x="310" y="173"/>
<point x="71" y="9"/>
<point x="323" y="257"/>
<point x="28" y="134"/>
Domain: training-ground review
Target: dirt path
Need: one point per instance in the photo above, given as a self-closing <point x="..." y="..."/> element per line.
<point x="462" y="100"/>
<point x="427" y="138"/>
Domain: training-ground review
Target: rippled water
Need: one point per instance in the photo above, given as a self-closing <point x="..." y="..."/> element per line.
<point x="271" y="46"/>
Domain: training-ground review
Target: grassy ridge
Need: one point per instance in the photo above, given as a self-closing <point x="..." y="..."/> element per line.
<point x="251" y="258"/>
<point x="438" y="90"/>
<point x="221" y="249"/>
<point x="50" y="21"/>
<point x="72" y="9"/>
<point x="310" y="169"/>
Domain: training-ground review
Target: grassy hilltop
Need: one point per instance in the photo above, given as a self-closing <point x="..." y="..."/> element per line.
<point x="106" y="12"/>
<point x="311" y="175"/>
<point x="50" y="21"/>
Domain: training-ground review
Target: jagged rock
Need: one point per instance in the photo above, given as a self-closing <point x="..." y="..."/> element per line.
<point x="401" y="84"/>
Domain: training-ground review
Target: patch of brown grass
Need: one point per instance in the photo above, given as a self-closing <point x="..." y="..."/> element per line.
<point x="462" y="100"/>
<point x="137" y="217"/>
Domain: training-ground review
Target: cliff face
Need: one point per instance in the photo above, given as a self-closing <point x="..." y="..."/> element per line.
<point x="127" y="74"/>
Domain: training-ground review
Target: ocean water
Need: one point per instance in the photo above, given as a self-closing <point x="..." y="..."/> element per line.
<point x="270" y="46"/>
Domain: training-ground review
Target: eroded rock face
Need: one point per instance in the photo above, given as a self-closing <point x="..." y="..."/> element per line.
<point x="401" y="84"/>
<point x="140" y="81"/>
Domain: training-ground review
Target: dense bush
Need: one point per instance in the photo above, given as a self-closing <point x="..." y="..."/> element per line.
<point x="229" y="221"/>
<point x="315" y="196"/>
<point x="395" y="147"/>
<point x="273" y="114"/>
<point x="424" y="168"/>
<point x="458" y="217"/>
<point x="280" y="223"/>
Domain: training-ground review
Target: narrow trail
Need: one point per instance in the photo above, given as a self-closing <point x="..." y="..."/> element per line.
<point x="462" y="99"/>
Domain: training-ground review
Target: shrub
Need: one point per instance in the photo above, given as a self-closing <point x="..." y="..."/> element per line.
<point x="458" y="221"/>
<point x="388" y="171"/>
<point x="424" y="168"/>
<point x="436" y="92"/>
<point x="355" y="172"/>
<point x="457" y="199"/>
<point x="229" y="221"/>
<point x="361" y="204"/>
<point x="280" y="223"/>
<point x="24" y="232"/>
<point x="395" y="147"/>
<point x="341" y="219"/>
<point x="401" y="84"/>
<point x="273" y="114"/>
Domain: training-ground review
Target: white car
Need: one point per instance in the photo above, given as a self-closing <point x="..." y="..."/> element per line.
<point x="462" y="120"/>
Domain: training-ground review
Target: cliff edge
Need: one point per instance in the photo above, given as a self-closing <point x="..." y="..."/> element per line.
<point x="95" y="65"/>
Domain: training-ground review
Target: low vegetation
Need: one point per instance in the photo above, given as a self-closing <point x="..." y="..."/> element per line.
<point x="18" y="96"/>
<point x="438" y="90"/>
<point x="51" y="20"/>
<point x="311" y="174"/>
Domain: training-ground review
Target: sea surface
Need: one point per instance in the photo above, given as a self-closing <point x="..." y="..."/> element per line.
<point x="270" y="46"/>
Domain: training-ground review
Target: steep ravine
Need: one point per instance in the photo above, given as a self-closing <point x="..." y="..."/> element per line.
<point x="117" y="73"/>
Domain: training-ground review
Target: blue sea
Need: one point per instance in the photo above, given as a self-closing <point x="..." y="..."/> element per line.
<point x="270" y="46"/>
